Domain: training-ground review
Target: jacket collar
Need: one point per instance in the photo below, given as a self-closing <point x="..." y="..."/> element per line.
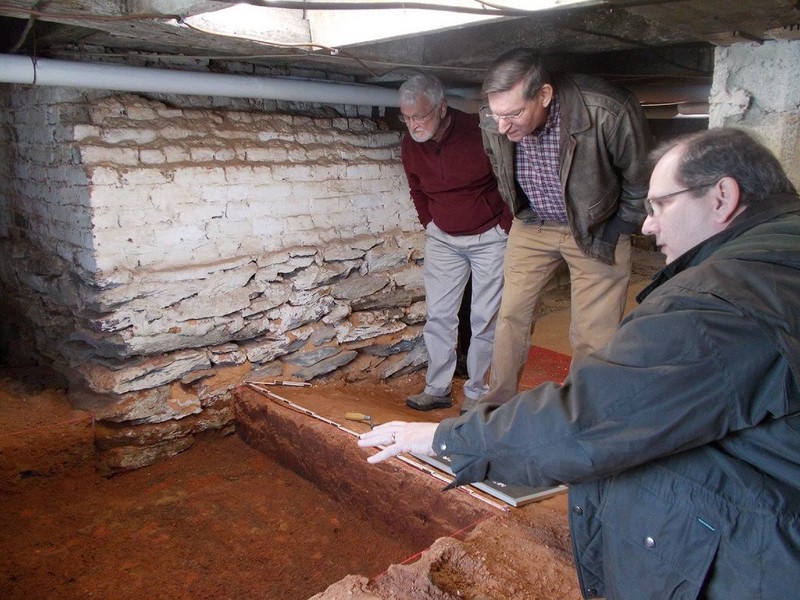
<point x="774" y="206"/>
<point x="574" y="114"/>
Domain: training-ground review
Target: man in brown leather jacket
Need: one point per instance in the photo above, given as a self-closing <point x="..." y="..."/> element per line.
<point x="569" y="154"/>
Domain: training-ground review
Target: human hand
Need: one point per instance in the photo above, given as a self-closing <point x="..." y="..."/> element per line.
<point x="397" y="437"/>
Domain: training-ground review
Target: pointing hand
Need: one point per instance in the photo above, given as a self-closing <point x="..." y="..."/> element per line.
<point x="397" y="437"/>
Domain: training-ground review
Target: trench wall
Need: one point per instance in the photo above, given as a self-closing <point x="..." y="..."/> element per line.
<point x="408" y="501"/>
<point x="160" y="251"/>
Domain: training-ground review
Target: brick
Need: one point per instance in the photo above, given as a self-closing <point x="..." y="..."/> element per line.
<point x="267" y="227"/>
<point x="196" y="213"/>
<point x="175" y="154"/>
<point x="141" y="113"/>
<point x="122" y="135"/>
<point x="198" y="177"/>
<point x="266" y="136"/>
<point x="201" y="154"/>
<point x="105" y="219"/>
<point x="295" y="172"/>
<point x="224" y="154"/>
<point x="172" y="236"/>
<point x="152" y="156"/>
<point x="222" y="228"/>
<point x="244" y="174"/>
<point x="264" y="154"/>
<point x="82" y="132"/>
<point x="169" y="113"/>
<point x="105" y="155"/>
<point x="362" y="171"/>
<point x="135" y="177"/>
<point x="99" y="176"/>
<point x="124" y="239"/>
<point x="141" y="215"/>
<point x="174" y="133"/>
<point x="126" y="199"/>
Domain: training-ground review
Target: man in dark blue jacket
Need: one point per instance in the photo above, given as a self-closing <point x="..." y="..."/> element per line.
<point x="680" y="439"/>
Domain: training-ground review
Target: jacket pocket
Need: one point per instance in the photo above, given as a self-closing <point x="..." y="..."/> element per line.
<point x="654" y="546"/>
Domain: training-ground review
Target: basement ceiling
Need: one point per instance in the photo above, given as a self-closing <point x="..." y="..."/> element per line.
<point x="662" y="49"/>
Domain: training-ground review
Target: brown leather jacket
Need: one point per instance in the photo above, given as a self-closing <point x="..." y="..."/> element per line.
<point x="603" y="160"/>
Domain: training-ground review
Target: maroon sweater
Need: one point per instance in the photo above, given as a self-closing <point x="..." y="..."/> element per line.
<point x="451" y="181"/>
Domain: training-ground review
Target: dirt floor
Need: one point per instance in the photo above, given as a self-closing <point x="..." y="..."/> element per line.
<point x="218" y="521"/>
<point x="223" y="520"/>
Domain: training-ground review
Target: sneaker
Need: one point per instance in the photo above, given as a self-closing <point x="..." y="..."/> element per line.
<point x="425" y="401"/>
<point x="468" y="404"/>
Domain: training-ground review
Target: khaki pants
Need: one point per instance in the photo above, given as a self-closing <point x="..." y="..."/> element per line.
<point x="598" y="294"/>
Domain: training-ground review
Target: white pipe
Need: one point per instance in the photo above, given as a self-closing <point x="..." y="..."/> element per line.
<point x="49" y="72"/>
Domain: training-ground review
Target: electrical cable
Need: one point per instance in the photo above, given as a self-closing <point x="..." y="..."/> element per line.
<point x="333" y="51"/>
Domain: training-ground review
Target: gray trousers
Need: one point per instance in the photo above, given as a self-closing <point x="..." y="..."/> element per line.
<point x="449" y="260"/>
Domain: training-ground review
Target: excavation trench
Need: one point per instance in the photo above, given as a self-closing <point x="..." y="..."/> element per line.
<point x="283" y="509"/>
<point x="475" y="547"/>
<point x="407" y="502"/>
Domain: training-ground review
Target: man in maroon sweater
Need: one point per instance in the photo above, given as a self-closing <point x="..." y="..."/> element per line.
<point x="466" y="225"/>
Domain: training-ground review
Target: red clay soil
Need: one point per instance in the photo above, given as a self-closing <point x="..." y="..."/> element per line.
<point x="218" y="521"/>
<point x="223" y="520"/>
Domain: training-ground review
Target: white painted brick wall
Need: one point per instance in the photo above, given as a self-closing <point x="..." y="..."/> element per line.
<point x="299" y="180"/>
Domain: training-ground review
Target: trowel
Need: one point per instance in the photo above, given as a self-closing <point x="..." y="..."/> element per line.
<point x="360" y="417"/>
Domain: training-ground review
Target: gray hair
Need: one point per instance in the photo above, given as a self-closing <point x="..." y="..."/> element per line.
<point x="421" y="84"/>
<point x="710" y="155"/>
<point x="508" y="69"/>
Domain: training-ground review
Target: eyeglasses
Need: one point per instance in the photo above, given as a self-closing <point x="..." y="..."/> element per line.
<point x="508" y="117"/>
<point x="650" y="204"/>
<point x="406" y="120"/>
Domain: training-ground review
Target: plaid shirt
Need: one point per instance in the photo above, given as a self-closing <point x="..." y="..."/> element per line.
<point x="537" y="168"/>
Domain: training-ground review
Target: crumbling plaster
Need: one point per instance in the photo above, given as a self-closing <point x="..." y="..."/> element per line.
<point x="756" y="87"/>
